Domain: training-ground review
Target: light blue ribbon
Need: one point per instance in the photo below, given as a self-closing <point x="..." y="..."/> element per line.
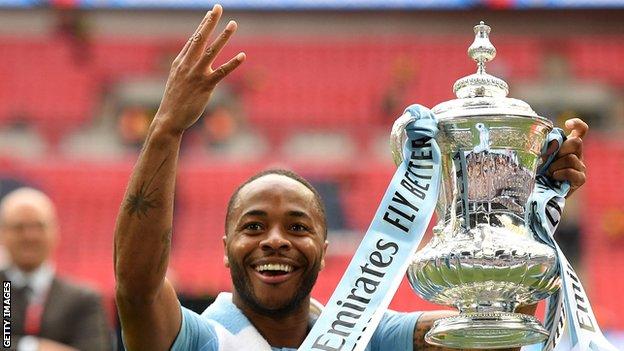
<point x="569" y="316"/>
<point x="380" y="262"/>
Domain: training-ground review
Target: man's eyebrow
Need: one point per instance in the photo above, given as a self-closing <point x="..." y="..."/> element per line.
<point x="298" y="214"/>
<point x="254" y="213"/>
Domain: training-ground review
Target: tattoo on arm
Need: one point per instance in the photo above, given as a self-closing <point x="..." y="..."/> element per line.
<point x="143" y="200"/>
<point x="166" y="241"/>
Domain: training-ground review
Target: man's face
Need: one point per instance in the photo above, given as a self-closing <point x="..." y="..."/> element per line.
<point x="275" y="245"/>
<point x="28" y="232"/>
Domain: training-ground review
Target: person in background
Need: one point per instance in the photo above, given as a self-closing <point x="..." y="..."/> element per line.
<point x="48" y="313"/>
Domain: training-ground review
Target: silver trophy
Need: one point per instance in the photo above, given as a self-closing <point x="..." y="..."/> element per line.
<point x="483" y="258"/>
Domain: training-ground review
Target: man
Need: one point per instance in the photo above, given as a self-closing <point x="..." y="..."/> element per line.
<point x="48" y="313"/>
<point x="275" y="240"/>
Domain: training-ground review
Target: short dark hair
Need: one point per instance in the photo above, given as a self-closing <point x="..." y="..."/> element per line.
<point x="286" y="173"/>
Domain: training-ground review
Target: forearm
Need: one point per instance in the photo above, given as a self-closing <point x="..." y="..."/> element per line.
<point x="144" y="223"/>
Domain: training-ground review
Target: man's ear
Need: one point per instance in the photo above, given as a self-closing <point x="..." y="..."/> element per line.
<point x="226" y="261"/>
<point x="324" y="252"/>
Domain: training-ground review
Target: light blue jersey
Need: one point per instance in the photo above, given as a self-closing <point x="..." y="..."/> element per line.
<point x="222" y="327"/>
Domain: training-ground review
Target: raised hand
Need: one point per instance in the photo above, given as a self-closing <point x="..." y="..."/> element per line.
<point x="568" y="164"/>
<point x="192" y="78"/>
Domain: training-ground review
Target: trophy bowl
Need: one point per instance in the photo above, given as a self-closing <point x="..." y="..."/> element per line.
<point x="483" y="259"/>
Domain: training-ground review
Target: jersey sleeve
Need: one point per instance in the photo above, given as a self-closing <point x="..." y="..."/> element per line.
<point x="196" y="333"/>
<point x="395" y="332"/>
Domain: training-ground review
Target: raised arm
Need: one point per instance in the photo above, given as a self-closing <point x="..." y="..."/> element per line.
<point x="148" y="307"/>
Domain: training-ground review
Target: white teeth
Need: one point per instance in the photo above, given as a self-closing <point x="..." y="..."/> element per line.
<point x="274" y="267"/>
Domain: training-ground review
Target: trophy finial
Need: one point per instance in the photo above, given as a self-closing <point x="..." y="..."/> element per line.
<point x="481" y="84"/>
<point x="482" y="49"/>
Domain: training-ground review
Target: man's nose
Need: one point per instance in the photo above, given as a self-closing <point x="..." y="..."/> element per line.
<point x="275" y="240"/>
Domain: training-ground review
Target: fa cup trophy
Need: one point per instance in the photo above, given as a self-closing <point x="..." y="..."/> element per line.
<point x="484" y="258"/>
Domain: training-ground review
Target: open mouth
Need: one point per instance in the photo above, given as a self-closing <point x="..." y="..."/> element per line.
<point x="273" y="269"/>
<point x="274" y="273"/>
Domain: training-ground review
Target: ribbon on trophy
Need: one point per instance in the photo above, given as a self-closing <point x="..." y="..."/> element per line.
<point x="380" y="262"/>
<point x="569" y="316"/>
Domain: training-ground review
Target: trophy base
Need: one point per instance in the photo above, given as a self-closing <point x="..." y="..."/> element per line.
<point x="486" y="330"/>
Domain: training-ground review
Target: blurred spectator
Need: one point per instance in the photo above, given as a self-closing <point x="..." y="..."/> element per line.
<point x="223" y="118"/>
<point x="72" y="27"/>
<point x="128" y="106"/>
<point x="7" y="185"/>
<point x="126" y="113"/>
<point x="396" y="97"/>
<point x="48" y="313"/>
<point x="132" y="126"/>
<point x="223" y="130"/>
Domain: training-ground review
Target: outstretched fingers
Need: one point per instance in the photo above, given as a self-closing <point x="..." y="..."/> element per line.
<point x="213" y="49"/>
<point x="197" y="42"/>
<point x="192" y="38"/>
<point x="215" y="76"/>
<point x="200" y="58"/>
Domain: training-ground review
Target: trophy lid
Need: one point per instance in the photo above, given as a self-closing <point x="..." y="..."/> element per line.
<point x="481" y="93"/>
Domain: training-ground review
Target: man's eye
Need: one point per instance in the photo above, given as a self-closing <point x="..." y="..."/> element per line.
<point x="299" y="228"/>
<point x="254" y="226"/>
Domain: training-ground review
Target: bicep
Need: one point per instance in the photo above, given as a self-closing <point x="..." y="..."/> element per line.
<point x="150" y="325"/>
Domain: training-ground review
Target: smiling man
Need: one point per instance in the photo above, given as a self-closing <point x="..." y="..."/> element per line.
<point x="275" y="236"/>
<point x="275" y="242"/>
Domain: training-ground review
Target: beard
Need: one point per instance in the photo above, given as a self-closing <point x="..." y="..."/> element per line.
<point x="244" y="288"/>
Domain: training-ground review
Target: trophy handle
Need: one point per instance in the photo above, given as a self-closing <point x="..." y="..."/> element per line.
<point x="398" y="135"/>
